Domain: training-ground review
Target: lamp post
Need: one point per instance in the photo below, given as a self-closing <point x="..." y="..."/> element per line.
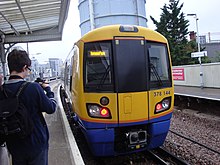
<point x="198" y="42"/>
<point x="197" y="30"/>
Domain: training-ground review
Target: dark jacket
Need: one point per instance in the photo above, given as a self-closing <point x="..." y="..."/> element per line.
<point x="36" y="101"/>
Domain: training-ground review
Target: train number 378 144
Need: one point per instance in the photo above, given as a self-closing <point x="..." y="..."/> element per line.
<point x="156" y="94"/>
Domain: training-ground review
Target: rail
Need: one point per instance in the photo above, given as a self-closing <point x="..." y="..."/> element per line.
<point x="187" y="138"/>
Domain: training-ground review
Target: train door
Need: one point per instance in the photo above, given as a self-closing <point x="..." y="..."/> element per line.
<point x="131" y="79"/>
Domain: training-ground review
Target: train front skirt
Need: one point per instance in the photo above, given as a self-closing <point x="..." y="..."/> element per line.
<point x="128" y="139"/>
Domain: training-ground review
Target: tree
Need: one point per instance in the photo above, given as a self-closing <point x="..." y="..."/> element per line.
<point x="174" y="27"/>
<point x="192" y="46"/>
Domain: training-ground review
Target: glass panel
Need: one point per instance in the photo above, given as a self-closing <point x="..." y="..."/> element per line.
<point x="98" y="66"/>
<point x="159" y="64"/>
<point x="131" y="64"/>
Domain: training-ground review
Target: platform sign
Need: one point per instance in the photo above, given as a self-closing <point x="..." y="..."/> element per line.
<point x="199" y="54"/>
<point x="178" y="74"/>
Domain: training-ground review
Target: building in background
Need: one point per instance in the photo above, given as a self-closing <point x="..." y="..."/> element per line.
<point x="44" y="71"/>
<point x="212" y="45"/>
<point x="213" y="50"/>
<point x="202" y="39"/>
<point x="209" y="42"/>
<point x="34" y="69"/>
<point x="55" y="65"/>
<point x="52" y="69"/>
<point x="192" y="35"/>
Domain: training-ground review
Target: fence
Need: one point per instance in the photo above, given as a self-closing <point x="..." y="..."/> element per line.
<point x="189" y="75"/>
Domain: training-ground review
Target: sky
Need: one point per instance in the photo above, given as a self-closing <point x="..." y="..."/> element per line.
<point x="206" y="10"/>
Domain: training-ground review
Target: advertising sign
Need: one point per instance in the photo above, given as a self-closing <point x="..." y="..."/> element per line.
<point x="178" y="74"/>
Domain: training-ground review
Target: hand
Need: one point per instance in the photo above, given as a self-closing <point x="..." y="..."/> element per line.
<point x="44" y="85"/>
<point x="42" y="82"/>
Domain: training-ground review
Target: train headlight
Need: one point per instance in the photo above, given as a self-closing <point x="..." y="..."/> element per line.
<point x="97" y="111"/>
<point x="166" y="103"/>
<point x="128" y="28"/>
<point x="163" y="105"/>
<point x="134" y="138"/>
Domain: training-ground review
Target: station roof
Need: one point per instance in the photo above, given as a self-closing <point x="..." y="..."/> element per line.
<point x="32" y="20"/>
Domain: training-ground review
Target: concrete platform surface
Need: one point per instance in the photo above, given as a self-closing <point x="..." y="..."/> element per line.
<point x="63" y="149"/>
<point x="59" y="150"/>
<point x="206" y="93"/>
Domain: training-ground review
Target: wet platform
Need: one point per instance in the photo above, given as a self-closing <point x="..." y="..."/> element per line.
<point x="204" y="93"/>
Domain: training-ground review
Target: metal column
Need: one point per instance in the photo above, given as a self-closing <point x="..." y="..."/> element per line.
<point x="91" y="14"/>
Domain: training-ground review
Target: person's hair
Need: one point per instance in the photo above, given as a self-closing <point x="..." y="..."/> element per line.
<point x="17" y="59"/>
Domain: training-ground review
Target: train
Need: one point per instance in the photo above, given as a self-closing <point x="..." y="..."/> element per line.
<point x="118" y="79"/>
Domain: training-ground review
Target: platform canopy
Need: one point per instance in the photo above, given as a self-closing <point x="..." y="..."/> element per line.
<point x="32" y="20"/>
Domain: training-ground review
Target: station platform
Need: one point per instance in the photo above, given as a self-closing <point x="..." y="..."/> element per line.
<point x="204" y="93"/>
<point x="63" y="149"/>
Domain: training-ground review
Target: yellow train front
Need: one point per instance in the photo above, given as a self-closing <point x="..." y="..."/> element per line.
<point x="121" y="88"/>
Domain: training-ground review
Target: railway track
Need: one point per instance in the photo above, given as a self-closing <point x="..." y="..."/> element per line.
<point x="195" y="142"/>
<point x="164" y="157"/>
<point x="154" y="157"/>
<point x="159" y="156"/>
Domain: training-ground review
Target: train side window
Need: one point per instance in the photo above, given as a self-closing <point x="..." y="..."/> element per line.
<point x="98" y="66"/>
<point x="159" y="66"/>
<point x="71" y="74"/>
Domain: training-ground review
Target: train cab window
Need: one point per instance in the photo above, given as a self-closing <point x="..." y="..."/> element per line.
<point x="159" y="66"/>
<point x="98" y="67"/>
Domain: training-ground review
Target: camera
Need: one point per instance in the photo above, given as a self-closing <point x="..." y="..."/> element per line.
<point x="41" y="81"/>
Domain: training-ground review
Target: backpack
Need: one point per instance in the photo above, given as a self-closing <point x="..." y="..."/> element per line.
<point x="15" y="120"/>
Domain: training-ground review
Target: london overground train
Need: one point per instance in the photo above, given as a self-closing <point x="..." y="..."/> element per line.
<point x="120" y="84"/>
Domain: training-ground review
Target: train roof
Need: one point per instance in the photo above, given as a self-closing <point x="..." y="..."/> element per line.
<point x="109" y="32"/>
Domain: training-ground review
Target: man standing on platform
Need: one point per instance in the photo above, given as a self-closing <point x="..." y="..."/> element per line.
<point x="37" y="98"/>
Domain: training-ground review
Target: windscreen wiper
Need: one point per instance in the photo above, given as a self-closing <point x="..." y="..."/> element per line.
<point x="102" y="81"/>
<point x="160" y="83"/>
